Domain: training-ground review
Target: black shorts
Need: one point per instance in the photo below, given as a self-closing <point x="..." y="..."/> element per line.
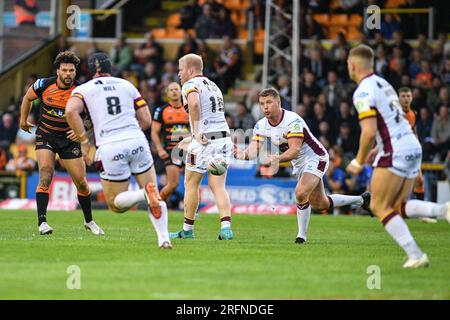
<point x="176" y="158"/>
<point x="65" y="148"/>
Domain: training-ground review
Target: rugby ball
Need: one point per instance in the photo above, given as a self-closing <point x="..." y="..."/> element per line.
<point x="217" y="165"/>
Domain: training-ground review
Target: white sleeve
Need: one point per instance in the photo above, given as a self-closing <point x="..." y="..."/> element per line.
<point x="364" y="102"/>
<point x="257" y="133"/>
<point x="187" y="88"/>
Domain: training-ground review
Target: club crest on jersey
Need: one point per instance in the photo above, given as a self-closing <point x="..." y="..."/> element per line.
<point x="362" y="95"/>
<point x="76" y="151"/>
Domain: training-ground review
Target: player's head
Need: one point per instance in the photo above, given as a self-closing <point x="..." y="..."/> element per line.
<point x="360" y="62"/>
<point x="66" y="64"/>
<point x="173" y="91"/>
<point x="270" y="102"/>
<point x="405" y="97"/>
<point x="189" y="66"/>
<point x="99" y="65"/>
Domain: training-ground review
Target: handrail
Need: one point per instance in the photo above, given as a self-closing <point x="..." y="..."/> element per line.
<point x="400" y="11"/>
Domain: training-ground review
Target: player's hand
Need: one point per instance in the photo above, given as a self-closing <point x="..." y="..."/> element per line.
<point x="85" y="153"/>
<point x="238" y="154"/>
<point x="26" y="126"/>
<point x="354" y="168"/>
<point x="200" y="137"/>
<point x="72" y="136"/>
<point x="162" y="154"/>
<point x="183" y="144"/>
<point x="274" y="159"/>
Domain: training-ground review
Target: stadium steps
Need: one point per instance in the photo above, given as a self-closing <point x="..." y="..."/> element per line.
<point x="173" y="5"/>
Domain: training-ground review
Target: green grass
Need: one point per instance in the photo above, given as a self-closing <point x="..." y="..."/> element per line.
<point x="261" y="263"/>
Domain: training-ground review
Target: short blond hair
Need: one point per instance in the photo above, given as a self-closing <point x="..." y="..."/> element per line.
<point x="364" y="54"/>
<point x="192" y="60"/>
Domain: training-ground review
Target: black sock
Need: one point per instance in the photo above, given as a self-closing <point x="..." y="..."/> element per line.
<point x="85" y="203"/>
<point x="42" y="203"/>
<point x="419" y="195"/>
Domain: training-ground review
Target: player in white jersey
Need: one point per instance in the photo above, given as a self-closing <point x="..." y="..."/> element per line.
<point x="399" y="157"/>
<point x="287" y="131"/>
<point x="118" y="114"/>
<point x="210" y="136"/>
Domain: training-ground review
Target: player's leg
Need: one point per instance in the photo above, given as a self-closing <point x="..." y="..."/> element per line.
<point x="419" y="190"/>
<point x="192" y="181"/>
<point x="384" y="199"/>
<point x="218" y="187"/>
<point x="77" y="171"/>
<point x="305" y="186"/>
<point x="321" y="201"/>
<point x="173" y="177"/>
<point x="158" y="212"/>
<point x="418" y="209"/>
<point x="46" y="165"/>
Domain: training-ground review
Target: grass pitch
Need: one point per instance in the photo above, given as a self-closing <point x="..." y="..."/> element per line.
<point x="261" y="263"/>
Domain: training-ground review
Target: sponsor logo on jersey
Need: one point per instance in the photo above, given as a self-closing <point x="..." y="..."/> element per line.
<point x="362" y="95"/>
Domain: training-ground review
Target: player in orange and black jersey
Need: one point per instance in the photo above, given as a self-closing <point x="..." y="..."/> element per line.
<point x="405" y="98"/>
<point x="172" y="123"/>
<point x="53" y="136"/>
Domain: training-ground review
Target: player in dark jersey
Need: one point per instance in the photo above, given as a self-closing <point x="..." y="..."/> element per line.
<point x="53" y="136"/>
<point x="172" y="123"/>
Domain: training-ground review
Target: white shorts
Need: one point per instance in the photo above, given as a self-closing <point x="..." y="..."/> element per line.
<point x="406" y="163"/>
<point x="116" y="161"/>
<point x="198" y="154"/>
<point x="317" y="166"/>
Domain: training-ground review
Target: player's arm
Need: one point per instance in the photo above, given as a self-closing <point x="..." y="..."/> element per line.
<point x="250" y="153"/>
<point x="366" y="142"/>
<point x="74" y="108"/>
<point x="193" y="100"/>
<point x="25" y="109"/>
<point x="144" y="118"/>
<point x="295" y="144"/>
<point x="156" y="140"/>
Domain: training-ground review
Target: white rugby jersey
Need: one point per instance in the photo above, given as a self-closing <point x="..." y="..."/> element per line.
<point x="376" y="98"/>
<point x="212" y="108"/>
<point x="290" y="126"/>
<point x="111" y="104"/>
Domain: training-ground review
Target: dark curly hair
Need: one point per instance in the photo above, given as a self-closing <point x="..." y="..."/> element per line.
<point x="66" y="57"/>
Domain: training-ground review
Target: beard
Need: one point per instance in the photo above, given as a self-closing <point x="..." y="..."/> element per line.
<point x="66" y="81"/>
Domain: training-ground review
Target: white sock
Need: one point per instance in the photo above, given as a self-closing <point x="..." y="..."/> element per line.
<point x="188" y="227"/>
<point x="127" y="199"/>
<point x="419" y="209"/>
<point x="225" y="224"/>
<point x="398" y="230"/>
<point x="340" y="200"/>
<point x="161" y="224"/>
<point x="303" y="215"/>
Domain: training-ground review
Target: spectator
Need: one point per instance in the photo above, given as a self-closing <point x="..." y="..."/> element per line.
<point x="215" y="7"/>
<point x="188" y="46"/>
<point x="349" y="6"/>
<point x="204" y="23"/>
<point x="326" y="132"/>
<point x="341" y="43"/>
<point x="209" y="56"/>
<point x="151" y="75"/>
<point x="8" y="130"/>
<point x="252" y="100"/>
<point x="62" y="45"/>
<point x="411" y="22"/>
<point x="445" y="73"/>
<point x="425" y="76"/>
<point x="340" y="66"/>
<point x="444" y="97"/>
<point x="121" y="55"/>
<point x="400" y="43"/>
<point x="284" y="88"/>
<point x="424" y="125"/>
<point x="425" y="50"/>
<point x="334" y="91"/>
<point x="228" y="64"/>
<point x="415" y="63"/>
<point x="389" y="25"/>
<point x="319" y="66"/>
<point x="347" y="140"/>
<point x="310" y="28"/>
<point x="335" y="176"/>
<point x="5" y="155"/>
<point x="440" y="132"/>
<point x="189" y="14"/>
<point x="379" y="41"/>
<point x="309" y="85"/>
<point x="169" y="73"/>
<point x="433" y="100"/>
<point x="150" y="51"/>
<point x="223" y="26"/>
<point x="21" y="164"/>
<point x="230" y="121"/>
<point x="243" y="119"/>
<point x="381" y="61"/>
<point x="345" y="116"/>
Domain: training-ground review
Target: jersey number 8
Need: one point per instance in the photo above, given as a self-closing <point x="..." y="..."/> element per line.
<point x="113" y="105"/>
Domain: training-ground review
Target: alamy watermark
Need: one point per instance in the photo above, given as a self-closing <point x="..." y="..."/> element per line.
<point x="373" y="20"/>
<point x="374" y="279"/>
<point x="73" y="281"/>
<point x="74" y="20"/>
